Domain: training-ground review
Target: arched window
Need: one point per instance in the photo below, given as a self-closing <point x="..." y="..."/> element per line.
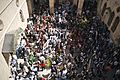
<point x="110" y="18"/>
<point x="1" y="25"/>
<point x="115" y="24"/>
<point x="21" y="16"/>
<point x="118" y="9"/>
<point x="110" y="14"/>
<point x="17" y="3"/>
<point x="104" y="8"/>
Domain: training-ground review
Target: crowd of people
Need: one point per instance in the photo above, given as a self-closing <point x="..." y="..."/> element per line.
<point x="66" y="46"/>
<point x="41" y="50"/>
<point x="92" y="47"/>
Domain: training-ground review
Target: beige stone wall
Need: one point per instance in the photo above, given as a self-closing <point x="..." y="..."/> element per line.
<point x="80" y="6"/>
<point x="51" y="6"/>
<point x="29" y="3"/>
<point x="111" y="7"/>
<point x="11" y="20"/>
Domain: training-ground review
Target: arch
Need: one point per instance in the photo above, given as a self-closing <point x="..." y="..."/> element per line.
<point x="115" y="24"/>
<point x="106" y="16"/>
<point x="1" y="25"/>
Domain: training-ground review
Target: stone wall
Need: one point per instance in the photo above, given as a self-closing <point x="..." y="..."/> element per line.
<point x="109" y="11"/>
<point x="13" y="14"/>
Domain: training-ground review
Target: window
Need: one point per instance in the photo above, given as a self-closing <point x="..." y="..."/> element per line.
<point x="17" y="3"/>
<point x="111" y="13"/>
<point x="118" y="9"/>
<point x="21" y="16"/>
<point x="1" y="25"/>
<point x="115" y="24"/>
<point x="110" y="18"/>
<point x="104" y="8"/>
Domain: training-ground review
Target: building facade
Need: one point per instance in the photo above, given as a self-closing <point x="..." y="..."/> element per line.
<point x="109" y="11"/>
<point x="13" y="14"/>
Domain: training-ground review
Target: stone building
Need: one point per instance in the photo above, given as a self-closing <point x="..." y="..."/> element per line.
<point x="13" y="15"/>
<point x="109" y="11"/>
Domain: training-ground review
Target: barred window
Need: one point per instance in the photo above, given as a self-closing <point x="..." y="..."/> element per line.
<point x="115" y="24"/>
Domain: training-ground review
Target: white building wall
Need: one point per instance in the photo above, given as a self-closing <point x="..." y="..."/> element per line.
<point x="4" y="69"/>
<point x="3" y="4"/>
<point x="10" y="16"/>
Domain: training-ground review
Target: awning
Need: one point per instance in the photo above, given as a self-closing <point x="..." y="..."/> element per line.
<point x="8" y="44"/>
<point x="10" y="41"/>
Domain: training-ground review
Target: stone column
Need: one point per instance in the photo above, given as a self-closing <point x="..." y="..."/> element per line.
<point x="51" y="6"/>
<point x="29" y="4"/>
<point x="75" y="2"/>
<point x="99" y="3"/>
<point x="80" y="6"/>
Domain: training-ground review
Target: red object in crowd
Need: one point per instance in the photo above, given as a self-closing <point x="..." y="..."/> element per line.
<point x="42" y="79"/>
<point x="26" y="29"/>
<point x="42" y="65"/>
<point x="35" y="27"/>
<point x="44" y="17"/>
<point x="27" y="44"/>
